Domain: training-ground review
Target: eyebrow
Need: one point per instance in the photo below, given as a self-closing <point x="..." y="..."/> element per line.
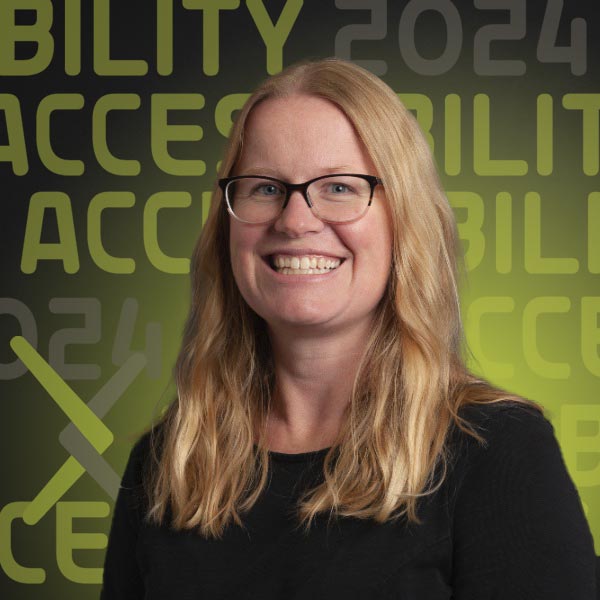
<point x="259" y="170"/>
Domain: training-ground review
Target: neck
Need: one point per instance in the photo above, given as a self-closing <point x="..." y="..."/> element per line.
<point x="314" y="375"/>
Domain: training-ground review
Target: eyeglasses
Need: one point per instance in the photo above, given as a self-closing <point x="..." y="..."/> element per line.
<point x="337" y="198"/>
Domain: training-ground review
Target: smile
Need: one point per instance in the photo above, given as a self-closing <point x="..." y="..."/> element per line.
<point x="303" y="265"/>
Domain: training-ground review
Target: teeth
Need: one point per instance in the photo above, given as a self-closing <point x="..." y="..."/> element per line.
<point x="304" y="265"/>
<point x="288" y="271"/>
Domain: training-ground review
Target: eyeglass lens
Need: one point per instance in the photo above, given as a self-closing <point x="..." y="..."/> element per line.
<point x="338" y="198"/>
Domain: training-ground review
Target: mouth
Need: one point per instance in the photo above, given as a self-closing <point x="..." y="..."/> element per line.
<point x="307" y="264"/>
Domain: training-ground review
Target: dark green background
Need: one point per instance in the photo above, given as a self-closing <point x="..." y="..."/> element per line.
<point x="31" y="421"/>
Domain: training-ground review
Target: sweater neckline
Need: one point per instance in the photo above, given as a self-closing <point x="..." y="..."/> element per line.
<point x="298" y="456"/>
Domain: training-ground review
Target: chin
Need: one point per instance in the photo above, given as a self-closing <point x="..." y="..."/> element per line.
<point x="308" y="316"/>
<point x="308" y="319"/>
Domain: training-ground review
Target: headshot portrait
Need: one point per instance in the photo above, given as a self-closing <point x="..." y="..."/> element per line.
<point x="327" y="439"/>
<point x="300" y="300"/>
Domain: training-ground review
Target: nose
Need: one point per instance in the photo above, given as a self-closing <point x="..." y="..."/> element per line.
<point x="297" y="218"/>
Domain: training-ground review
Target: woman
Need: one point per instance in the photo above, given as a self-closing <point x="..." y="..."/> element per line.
<point x="327" y="440"/>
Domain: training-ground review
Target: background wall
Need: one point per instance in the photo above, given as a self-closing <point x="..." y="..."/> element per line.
<point x="113" y="116"/>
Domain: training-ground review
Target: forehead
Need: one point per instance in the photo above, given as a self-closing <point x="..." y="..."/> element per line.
<point x="301" y="136"/>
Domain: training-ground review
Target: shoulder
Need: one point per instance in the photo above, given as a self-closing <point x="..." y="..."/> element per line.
<point x="142" y="460"/>
<point x="140" y="457"/>
<point x="517" y="520"/>
<point x="507" y="427"/>
<point x="517" y="475"/>
<point x="487" y="415"/>
<point x="518" y="452"/>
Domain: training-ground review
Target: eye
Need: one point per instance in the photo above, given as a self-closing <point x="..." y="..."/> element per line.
<point x="334" y="189"/>
<point x="266" y="189"/>
<point x="339" y="188"/>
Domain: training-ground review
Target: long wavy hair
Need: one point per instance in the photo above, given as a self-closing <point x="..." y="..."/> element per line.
<point x="211" y="461"/>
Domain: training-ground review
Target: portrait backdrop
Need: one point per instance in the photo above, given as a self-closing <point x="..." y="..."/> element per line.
<point x="113" y="116"/>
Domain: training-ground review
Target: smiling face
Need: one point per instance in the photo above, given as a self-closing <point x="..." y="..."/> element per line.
<point x="295" y="139"/>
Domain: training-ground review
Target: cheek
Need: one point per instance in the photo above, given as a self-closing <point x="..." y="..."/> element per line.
<point x="371" y="244"/>
<point x="240" y="243"/>
<point x="373" y="252"/>
<point x="384" y="239"/>
<point x="242" y="251"/>
<point x="236" y="253"/>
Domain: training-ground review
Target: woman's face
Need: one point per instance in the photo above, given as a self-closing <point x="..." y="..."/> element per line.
<point x="296" y="139"/>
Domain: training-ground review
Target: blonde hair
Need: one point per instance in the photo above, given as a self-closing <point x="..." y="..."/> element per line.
<point x="392" y="447"/>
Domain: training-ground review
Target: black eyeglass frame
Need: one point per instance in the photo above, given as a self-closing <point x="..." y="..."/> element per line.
<point x="372" y="180"/>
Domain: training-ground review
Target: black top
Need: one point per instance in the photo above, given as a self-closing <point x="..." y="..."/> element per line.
<point x="507" y="524"/>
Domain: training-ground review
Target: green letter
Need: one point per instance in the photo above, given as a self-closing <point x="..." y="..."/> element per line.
<point x="51" y="160"/>
<point x="107" y="160"/>
<point x="452" y="134"/>
<point x="103" y="63"/>
<point x="538" y="364"/>
<point x="478" y="308"/>
<point x="590" y="334"/>
<point x="210" y="29"/>
<point x="164" y="263"/>
<point x="274" y="35"/>
<point x="589" y="104"/>
<point x="534" y="261"/>
<point x="594" y="232"/>
<point x="39" y="32"/>
<point x="10" y="566"/>
<point x="164" y="37"/>
<point x="162" y="133"/>
<point x="482" y="163"/>
<point x="545" y="134"/>
<point x="107" y="262"/>
<point x="65" y="249"/>
<point x="72" y="37"/>
<point x="503" y="232"/>
<point x="67" y="540"/>
<point x="224" y="110"/>
<point x="15" y="151"/>
<point x="423" y="108"/>
<point x="470" y="230"/>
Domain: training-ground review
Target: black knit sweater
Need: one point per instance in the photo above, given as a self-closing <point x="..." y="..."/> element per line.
<point x="507" y="524"/>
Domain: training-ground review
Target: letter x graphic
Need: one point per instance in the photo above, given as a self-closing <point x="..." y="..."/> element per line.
<point x="86" y="437"/>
